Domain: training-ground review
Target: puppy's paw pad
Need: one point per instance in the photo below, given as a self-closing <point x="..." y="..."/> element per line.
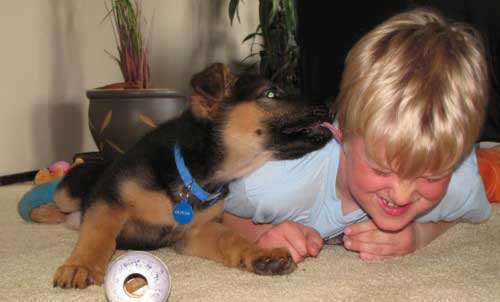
<point x="274" y="263"/>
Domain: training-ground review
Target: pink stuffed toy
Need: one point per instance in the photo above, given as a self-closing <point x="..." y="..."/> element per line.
<point x="62" y="165"/>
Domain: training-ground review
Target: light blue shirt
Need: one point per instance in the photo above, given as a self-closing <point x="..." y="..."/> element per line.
<point x="303" y="190"/>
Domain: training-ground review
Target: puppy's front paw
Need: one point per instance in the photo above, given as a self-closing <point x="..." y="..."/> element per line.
<point x="276" y="261"/>
<point x="77" y="276"/>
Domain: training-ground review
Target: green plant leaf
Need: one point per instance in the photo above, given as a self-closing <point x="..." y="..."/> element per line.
<point x="275" y="7"/>
<point x="233" y="10"/>
<point x="126" y="19"/>
<point x="251" y="36"/>
<point x="291" y="20"/>
<point x="277" y="28"/>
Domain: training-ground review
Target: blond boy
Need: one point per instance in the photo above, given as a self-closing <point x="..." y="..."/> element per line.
<point x="402" y="169"/>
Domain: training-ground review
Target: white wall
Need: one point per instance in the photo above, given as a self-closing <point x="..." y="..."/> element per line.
<point x="53" y="50"/>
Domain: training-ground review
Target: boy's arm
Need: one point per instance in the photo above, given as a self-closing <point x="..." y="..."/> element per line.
<point x="372" y="243"/>
<point x="300" y="240"/>
<point x="245" y="226"/>
<point x="426" y="232"/>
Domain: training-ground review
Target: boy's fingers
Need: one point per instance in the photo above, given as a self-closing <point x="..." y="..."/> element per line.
<point x="313" y="248"/>
<point x="371" y="236"/>
<point x="360" y="227"/>
<point x="368" y="247"/>
<point x="297" y="258"/>
<point x="302" y="241"/>
<point x="285" y="235"/>
<point x="314" y="241"/>
<point x="296" y="239"/>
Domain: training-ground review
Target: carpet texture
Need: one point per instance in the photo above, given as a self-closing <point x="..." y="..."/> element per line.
<point x="461" y="265"/>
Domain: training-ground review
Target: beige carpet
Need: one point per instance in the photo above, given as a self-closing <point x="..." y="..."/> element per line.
<point x="461" y="265"/>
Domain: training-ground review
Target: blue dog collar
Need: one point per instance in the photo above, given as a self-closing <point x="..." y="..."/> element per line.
<point x="190" y="183"/>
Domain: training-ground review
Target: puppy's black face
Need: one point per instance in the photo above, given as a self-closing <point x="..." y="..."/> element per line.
<point x="290" y="126"/>
<point x="253" y="121"/>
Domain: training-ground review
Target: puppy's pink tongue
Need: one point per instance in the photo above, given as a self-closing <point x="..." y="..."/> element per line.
<point x="337" y="134"/>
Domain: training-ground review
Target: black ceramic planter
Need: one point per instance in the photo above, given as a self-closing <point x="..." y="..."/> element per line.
<point x="120" y="117"/>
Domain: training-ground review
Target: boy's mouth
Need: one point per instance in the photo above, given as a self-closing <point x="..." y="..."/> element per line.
<point x="392" y="209"/>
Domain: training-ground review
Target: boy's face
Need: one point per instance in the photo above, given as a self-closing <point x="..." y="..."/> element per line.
<point x="391" y="202"/>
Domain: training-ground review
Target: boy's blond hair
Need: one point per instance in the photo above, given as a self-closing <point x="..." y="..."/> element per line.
<point x="418" y="86"/>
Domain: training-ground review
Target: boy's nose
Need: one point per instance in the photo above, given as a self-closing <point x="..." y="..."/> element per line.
<point x="403" y="193"/>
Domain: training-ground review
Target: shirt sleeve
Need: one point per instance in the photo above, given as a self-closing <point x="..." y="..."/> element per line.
<point x="260" y="195"/>
<point x="280" y="190"/>
<point x="465" y="197"/>
<point x="237" y="202"/>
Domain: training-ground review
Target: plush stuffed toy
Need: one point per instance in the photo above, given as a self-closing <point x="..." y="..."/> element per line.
<point x="37" y="196"/>
<point x="46" y="181"/>
<point x="55" y="171"/>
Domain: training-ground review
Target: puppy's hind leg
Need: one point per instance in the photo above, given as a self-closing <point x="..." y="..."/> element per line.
<point x="47" y="213"/>
<point x="65" y="200"/>
<point x="57" y="211"/>
<point x="64" y="209"/>
<point x="76" y="185"/>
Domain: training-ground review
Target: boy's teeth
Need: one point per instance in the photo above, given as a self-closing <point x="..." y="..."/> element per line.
<point x="390" y="204"/>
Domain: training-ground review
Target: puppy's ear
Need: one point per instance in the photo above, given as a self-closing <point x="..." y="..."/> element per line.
<point x="211" y="86"/>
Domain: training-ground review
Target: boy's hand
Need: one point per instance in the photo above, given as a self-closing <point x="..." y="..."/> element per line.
<point x="373" y="243"/>
<point x="302" y="241"/>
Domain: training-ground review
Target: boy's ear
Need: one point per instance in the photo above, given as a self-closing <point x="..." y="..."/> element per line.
<point x="211" y="86"/>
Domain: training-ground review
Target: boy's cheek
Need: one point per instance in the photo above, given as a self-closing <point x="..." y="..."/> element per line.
<point x="368" y="181"/>
<point x="434" y="191"/>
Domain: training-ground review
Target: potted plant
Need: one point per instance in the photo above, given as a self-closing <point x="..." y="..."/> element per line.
<point x="121" y="113"/>
<point x="279" y="52"/>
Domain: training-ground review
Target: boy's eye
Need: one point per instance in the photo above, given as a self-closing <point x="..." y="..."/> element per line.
<point x="433" y="179"/>
<point x="381" y="173"/>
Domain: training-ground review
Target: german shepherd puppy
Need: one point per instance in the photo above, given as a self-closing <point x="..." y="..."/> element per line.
<point x="233" y="126"/>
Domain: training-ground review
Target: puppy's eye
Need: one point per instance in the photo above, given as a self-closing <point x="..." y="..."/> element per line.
<point x="270" y="93"/>
<point x="273" y="92"/>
